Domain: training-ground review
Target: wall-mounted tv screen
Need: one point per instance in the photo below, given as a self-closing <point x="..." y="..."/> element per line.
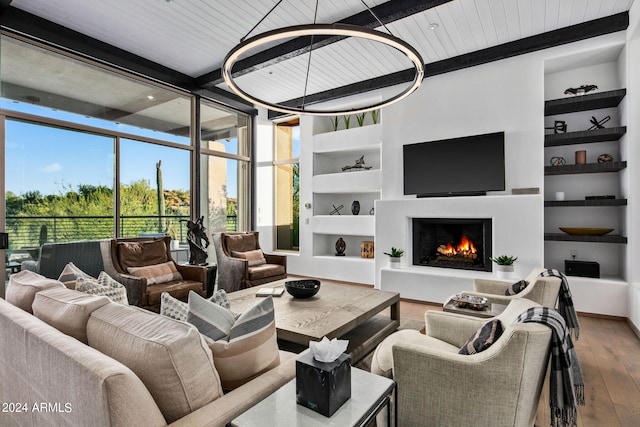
<point x="469" y="165"/>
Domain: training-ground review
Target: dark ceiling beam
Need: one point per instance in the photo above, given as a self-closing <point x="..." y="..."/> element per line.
<point x="4" y="4"/>
<point x="390" y="11"/>
<point x="31" y="26"/>
<point x="574" y="33"/>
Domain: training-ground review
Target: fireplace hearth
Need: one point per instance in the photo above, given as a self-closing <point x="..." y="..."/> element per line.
<point x="452" y="243"/>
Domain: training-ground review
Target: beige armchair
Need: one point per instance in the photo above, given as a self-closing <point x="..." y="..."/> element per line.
<point x="543" y="290"/>
<point x="242" y="264"/>
<point x="438" y="387"/>
<point x="119" y="255"/>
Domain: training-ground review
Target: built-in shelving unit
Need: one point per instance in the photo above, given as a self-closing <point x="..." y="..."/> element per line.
<point x="602" y="211"/>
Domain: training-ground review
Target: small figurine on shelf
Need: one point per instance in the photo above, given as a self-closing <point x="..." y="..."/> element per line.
<point x="336" y="210"/>
<point x="341" y="246"/>
<point x="358" y="166"/>
<point x="598" y="124"/>
<point x="580" y="90"/>
<point x="559" y="126"/>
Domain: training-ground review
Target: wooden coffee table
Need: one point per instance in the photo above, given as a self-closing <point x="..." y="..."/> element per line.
<point x="336" y="311"/>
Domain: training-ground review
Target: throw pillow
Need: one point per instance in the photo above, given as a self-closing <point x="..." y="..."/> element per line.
<point x="483" y="338"/>
<point x="158" y="273"/>
<point x="103" y="285"/>
<point x="243" y="348"/>
<point x="255" y="257"/>
<point x="178" y="310"/>
<point x="516" y="288"/>
<point x="71" y="273"/>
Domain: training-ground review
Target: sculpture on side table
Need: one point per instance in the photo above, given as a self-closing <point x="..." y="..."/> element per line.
<point x="196" y="234"/>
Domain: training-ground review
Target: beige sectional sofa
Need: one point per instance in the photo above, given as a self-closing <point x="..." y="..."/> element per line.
<point x="82" y="360"/>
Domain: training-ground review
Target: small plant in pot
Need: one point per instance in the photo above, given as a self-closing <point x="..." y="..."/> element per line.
<point x="394" y="257"/>
<point x="504" y="265"/>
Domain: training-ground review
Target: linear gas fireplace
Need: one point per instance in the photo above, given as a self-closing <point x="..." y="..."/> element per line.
<point x="452" y="243"/>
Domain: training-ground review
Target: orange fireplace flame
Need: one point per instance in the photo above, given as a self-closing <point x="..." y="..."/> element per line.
<point x="465" y="248"/>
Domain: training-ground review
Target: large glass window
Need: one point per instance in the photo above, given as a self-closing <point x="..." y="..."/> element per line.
<point x="287" y="185"/>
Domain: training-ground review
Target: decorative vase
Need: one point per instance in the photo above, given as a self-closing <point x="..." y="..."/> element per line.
<point x="355" y="207"/>
<point x="367" y="249"/>
<point x="341" y="246"/>
<point x="175" y="244"/>
<point x="394" y="262"/>
<point x="504" y="271"/>
<point x="581" y="157"/>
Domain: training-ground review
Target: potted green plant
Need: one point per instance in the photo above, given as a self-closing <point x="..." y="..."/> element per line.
<point x="394" y="257"/>
<point x="504" y="265"/>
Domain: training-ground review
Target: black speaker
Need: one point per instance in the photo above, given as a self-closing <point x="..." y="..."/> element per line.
<point x="4" y="240"/>
<point x="582" y="268"/>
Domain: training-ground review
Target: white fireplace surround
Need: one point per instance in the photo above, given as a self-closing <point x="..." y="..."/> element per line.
<point x="517" y="229"/>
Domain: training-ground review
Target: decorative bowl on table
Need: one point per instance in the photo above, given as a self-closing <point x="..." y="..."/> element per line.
<point x="474" y="302"/>
<point x="586" y="231"/>
<point x="302" y="288"/>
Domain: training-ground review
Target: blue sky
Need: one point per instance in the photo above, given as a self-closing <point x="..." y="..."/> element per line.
<point x="50" y="160"/>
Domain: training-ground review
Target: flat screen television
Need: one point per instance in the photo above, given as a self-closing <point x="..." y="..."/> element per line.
<point x="469" y="165"/>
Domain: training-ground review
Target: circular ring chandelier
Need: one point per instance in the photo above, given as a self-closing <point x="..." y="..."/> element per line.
<point x="322" y="30"/>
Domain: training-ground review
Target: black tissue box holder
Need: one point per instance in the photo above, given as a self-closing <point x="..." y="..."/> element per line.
<point x="323" y="386"/>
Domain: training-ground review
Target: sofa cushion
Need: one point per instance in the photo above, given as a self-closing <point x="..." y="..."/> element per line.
<point x="157" y="273"/>
<point x="103" y="285"/>
<point x="266" y="270"/>
<point x="255" y="257"/>
<point x="24" y="286"/>
<point x="240" y="242"/>
<point x="67" y="310"/>
<point x="483" y="338"/>
<point x="139" y="254"/>
<point x="243" y="348"/>
<point x="170" y="357"/>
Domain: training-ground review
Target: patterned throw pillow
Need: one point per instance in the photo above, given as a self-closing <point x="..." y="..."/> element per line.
<point x="158" y="273"/>
<point x="176" y="309"/>
<point x="173" y="307"/>
<point x="243" y="348"/>
<point x="516" y="288"/>
<point x="71" y="273"/>
<point x="255" y="257"/>
<point x="483" y="338"/>
<point x="103" y="285"/>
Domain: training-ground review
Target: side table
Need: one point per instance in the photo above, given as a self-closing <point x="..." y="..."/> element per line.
<point x="369" y="395"/>
<point x="210" y="284"/>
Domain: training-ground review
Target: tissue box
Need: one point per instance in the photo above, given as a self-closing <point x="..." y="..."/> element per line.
<point x="323" y="387"/>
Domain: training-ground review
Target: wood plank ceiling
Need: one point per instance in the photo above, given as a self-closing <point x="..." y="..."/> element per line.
<point x="192" y="37"/>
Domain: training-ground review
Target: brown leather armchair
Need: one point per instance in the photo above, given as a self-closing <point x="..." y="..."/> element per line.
<point x="134" y="252"/>
<point x="239" y="264"/>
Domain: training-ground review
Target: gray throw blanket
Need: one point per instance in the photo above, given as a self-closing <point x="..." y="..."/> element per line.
<point x="565" y="303"/>
<point x="566" y="387"/>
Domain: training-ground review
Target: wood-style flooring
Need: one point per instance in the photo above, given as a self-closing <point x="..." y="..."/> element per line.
<point x="609" y="354"/>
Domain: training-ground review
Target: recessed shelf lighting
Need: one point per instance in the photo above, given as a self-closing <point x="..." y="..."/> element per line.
<point x="433" y="26"/>
<point x="151" y="97"/>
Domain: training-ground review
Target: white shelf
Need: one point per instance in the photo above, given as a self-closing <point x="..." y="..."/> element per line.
<point x="348" y="225"/>
<point x="365" y="138"/>
<point x="346" y="258"/>
<point x="348" y="182"/>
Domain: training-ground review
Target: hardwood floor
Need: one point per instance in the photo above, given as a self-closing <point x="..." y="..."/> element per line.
<point x="609" y="354"/>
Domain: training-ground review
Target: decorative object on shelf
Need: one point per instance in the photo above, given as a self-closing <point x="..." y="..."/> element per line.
<point x="358" y="166"/>
<point x="372" y="211"/>
<point x="302" y="288"/>
<point x="347" y="121"/>
<point x="341" y="246"/>
<point x="580" y="90"/>
<point x="315" y="33"/>
<point x="360" y="118"/>
<point x="559" y="126"/>
<point x="195" y="236"/>
<point x="334" y="122"/>
<point x="581" y="157"/>
<point x="559" y="195"/>
<point x="375" y="115"/>
<point x="336" y="211"/>
<point x="355" y="207"/>
<point x="586" y="231"/>
<point x="394" y="257"/>
<point x="558" y="161"/>
<point x="504" y="265"/>
<point x="367" y="249"/>
<point x="604" y="158"/>
<point x="598" y="124"/>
